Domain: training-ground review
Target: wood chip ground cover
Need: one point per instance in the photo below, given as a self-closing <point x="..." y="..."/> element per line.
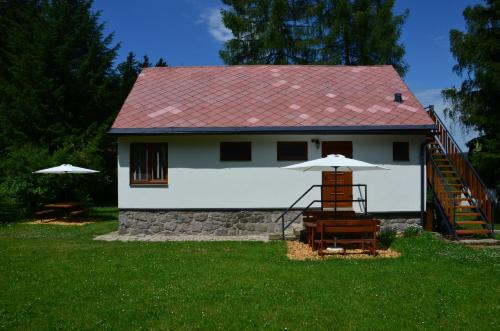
<point x="300" y="251"/>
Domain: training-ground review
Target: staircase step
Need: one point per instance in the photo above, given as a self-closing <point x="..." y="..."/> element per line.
<point x="470" y="222"/>
<point x="473" y="231"/>
<point x="445" y="166"/>
<point x="466" y="207"/>
<point x="460" y="214"/>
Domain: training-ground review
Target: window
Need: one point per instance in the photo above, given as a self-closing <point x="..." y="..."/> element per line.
<point x="292" y="150"/>
<point x="235" y="151"/>
<point x="400" y="151"/>
<point x="148" y="163"/>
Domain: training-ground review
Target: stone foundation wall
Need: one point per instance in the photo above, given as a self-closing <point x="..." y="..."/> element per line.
<point x="218" y="223"/>
<point x="221" y="223"/>
<point x="398" y="224"/>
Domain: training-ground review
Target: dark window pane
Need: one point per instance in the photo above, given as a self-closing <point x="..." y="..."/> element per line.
<point x="292" y="150"/>
<point x="235" y="151"/>
<point x="148" y="163"/>
<point x="401" y="151"/>
<point x="159" y="161"/>
<point x="139" y="162"/>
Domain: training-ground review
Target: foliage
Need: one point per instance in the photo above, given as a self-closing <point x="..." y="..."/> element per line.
<point x="387" y="236"/>
<point x="475" y="102"/>
<point x="56" y="277"/>
<point x="412" y="231"/>
<point x="59" y="93"/>
<point x="306" y="31"/>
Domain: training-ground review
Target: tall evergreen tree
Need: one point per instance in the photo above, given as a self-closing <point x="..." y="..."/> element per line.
<point x="475" y="102"/>
<point x="265" y="31"/>
<point x="161" y="63"/>
<point x="145" y="62"/>
<point x="127" y="72"/>
<point x="313" y="31"/>
<point x="57" y="80"/>
<point x="360" y="32"/>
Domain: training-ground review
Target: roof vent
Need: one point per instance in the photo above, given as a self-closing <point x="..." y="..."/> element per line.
<point x="398" y="97"/>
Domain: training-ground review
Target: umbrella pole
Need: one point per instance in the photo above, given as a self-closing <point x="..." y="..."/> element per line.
<point x="335" y="190"/>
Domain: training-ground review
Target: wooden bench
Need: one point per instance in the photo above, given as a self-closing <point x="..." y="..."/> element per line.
<point x="79" y="212"/>
<point x="361" y="232"/>
<point x="41" y="214"/>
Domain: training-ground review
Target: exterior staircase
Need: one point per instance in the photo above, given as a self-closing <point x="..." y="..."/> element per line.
<point x="459" y="194"/>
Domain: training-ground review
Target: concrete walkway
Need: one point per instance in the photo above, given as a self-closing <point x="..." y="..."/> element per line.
<point x="114" y="236"/>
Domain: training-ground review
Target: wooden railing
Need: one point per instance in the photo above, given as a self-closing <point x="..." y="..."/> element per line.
<point x="468" y="175"/>
<point x="437" y="181"/>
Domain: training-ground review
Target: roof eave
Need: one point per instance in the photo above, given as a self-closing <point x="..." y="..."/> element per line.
<point x="380" y="129"/>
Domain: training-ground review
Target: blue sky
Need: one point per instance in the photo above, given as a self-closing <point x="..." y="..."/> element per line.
<point x="189" y="32"/>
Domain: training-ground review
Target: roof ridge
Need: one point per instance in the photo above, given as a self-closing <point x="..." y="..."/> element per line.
<point x="269" y="65"/>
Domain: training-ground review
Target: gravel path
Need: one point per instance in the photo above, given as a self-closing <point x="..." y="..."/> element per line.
<point x="114" y="236"/>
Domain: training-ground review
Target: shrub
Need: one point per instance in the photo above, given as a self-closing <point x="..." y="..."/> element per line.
<point x="387" y="237"/>
<point x="412" y="231"/>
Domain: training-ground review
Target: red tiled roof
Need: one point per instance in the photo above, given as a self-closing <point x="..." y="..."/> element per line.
<point x="269" y="97"/>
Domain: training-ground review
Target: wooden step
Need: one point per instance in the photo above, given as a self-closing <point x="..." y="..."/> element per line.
<point x="465" y="207"/>
<point x="467" y="214"/>
<point x="462" y="199"/>
<point x="470" y="222"/>
<point x="445" y="166"/>
<point x="472" y="231"/>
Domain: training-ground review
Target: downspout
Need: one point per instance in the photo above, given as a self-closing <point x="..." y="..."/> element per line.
<point x="422" y="183"/>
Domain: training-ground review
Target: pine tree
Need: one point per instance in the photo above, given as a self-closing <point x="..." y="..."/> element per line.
<point x="475" y="102"/>
<point x="127" y="72"/>
<point x="359" y="32"/>
<point x="265" y="31"/>
<point x="161" y="63"/>
<point x="145" y="62"/>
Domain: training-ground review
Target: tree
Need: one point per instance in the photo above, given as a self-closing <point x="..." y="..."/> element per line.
<point x="265" y="31"/>
<point x="475" y="102"/>
<point x="313" y="31"/>
<point x="57" y="98"/>
<point x="161" y="63"/>
<point x="145" y="62"/>
<point x="360" y="32"/>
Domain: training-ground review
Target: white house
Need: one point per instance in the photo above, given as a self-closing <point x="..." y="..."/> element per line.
<point x="201" y="149"/>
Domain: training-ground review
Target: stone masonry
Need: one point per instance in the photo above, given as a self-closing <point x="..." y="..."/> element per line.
<point x="220" y="223"/>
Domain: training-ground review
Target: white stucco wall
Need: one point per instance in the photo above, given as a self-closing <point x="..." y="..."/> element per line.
<point x="197" y="179"/>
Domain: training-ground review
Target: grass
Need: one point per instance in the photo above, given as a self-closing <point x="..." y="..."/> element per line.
<point x="55" y="277"/>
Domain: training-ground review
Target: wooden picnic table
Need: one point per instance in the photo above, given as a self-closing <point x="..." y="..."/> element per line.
<point x="68" y="209"/>
<point x="357" y="228"/>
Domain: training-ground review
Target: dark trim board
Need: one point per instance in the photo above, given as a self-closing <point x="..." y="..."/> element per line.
<point x="382" y="129"/>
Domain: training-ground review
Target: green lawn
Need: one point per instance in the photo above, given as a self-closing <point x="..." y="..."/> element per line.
<point x="56" y="277"/>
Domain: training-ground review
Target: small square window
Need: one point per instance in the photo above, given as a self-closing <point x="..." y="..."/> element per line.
<point x="292" y="151"/>
<point x="148" y="163"/>
<point x="236" y="151"/>
<point x="400" y="151"/>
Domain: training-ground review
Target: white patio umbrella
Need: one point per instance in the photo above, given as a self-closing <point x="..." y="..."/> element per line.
<point x="335" y="162"/>
<point x="65" y="169"/>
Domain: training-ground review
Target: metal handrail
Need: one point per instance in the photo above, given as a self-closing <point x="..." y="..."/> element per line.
<point x="282" y="216"/>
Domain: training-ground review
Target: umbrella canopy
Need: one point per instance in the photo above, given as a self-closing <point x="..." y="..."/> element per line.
<point x="334" y="162"/>
<point x="65" y="169"/>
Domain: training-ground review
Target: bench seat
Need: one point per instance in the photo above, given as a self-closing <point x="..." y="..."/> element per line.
<point x="360" y="232"/>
